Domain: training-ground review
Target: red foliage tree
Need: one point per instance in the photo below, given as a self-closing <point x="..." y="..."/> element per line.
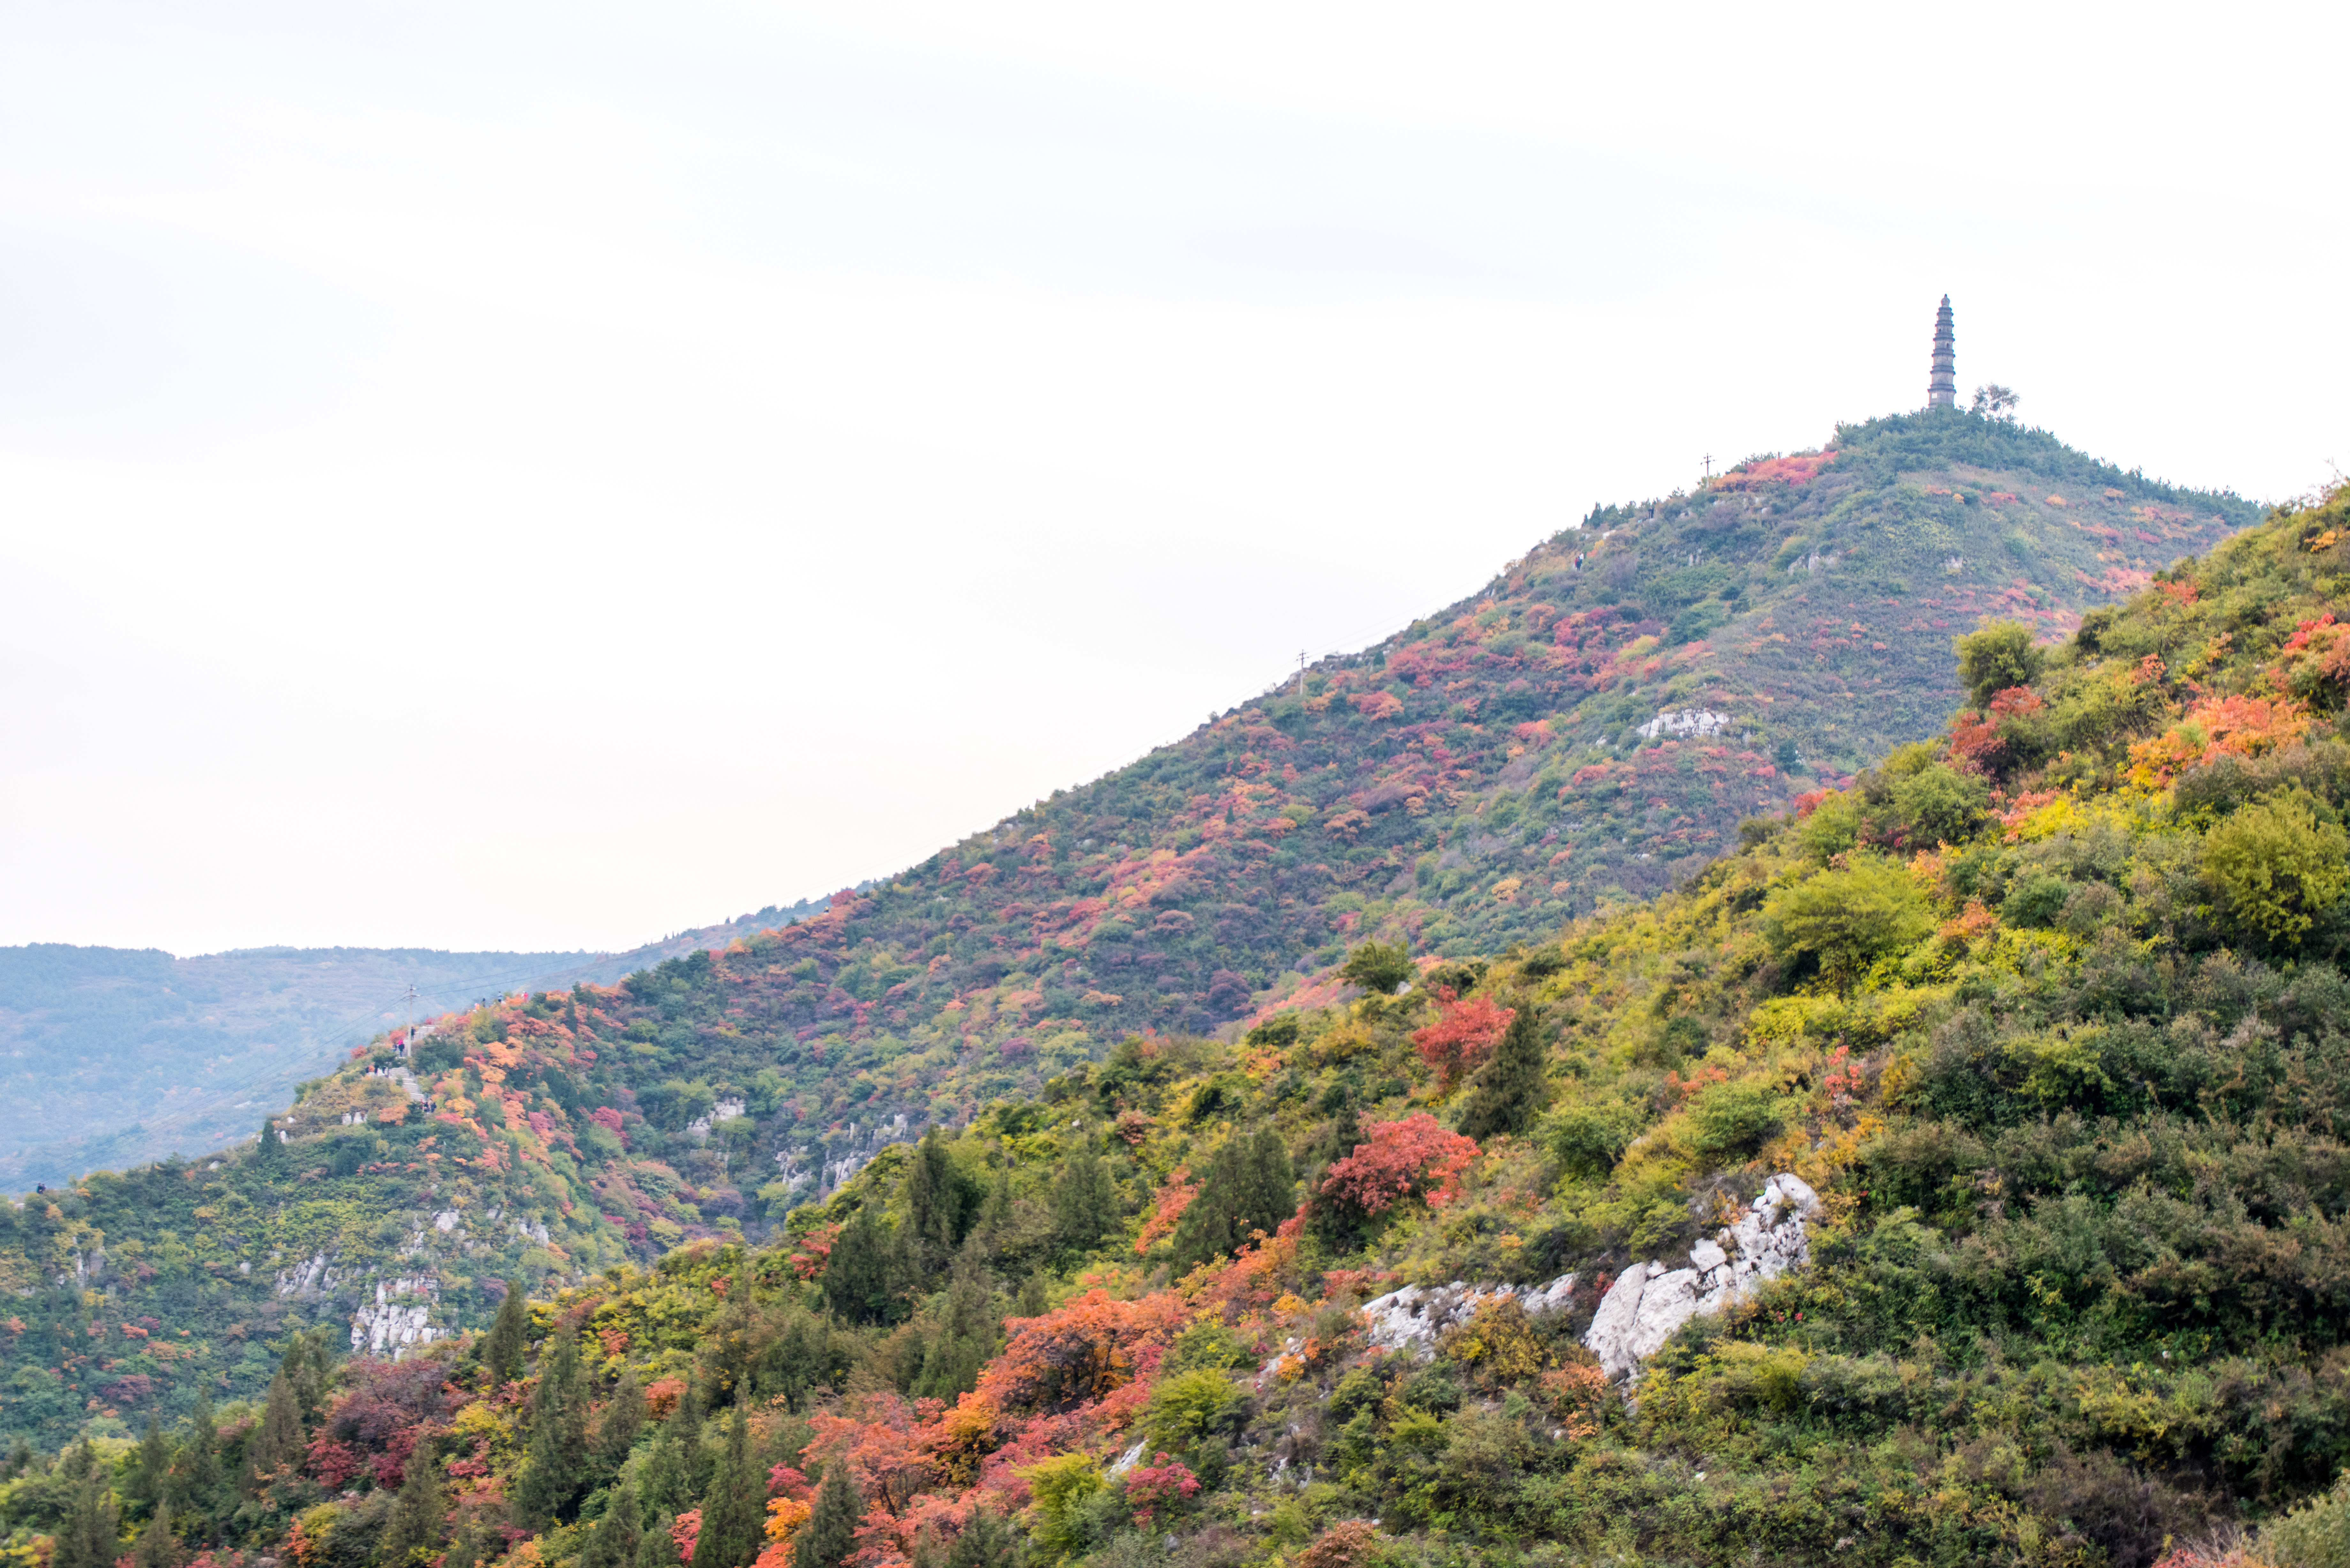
<point x="1414" y="1155"/>
<point x="1463" y="1035"/>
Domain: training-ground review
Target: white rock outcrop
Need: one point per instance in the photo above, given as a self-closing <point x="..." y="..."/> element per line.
<point x="1649" y="1301"/>
<point x="1411" y="1318"/>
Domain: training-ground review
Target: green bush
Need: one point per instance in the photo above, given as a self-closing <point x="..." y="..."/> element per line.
<point x="2277" y="867"/>
<point x="1995" y="656"/>
<point x="1844" y="920"/>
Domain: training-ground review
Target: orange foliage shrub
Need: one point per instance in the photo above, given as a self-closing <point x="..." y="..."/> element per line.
<point x="1175" y="1195"/>
<point x="1077" y="1353"/>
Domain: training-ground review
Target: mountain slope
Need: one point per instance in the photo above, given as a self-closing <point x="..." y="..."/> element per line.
<point x="2046" y="1010"/>
<point x="115" y="1056"/>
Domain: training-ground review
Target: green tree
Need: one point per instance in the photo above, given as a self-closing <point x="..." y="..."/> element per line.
<point x="734" y="1513"/>
<point x="158" y="1547"/>
<point x="857" y="1273"/>
<point x="278" y="1441"/>
<point x="986" y="1542"/>
<point x="555" y="1463"/>
<point x="1378" y="967"/>
<point x="829" y="1535"/>
<point x="933" y="1209"/>
<point x="91" y="1536"/>
<point x="197" y="1468"/>
<point x="616" y="1538"/>
<point x="147" y="1484"/>
<point x="1512" y="1088"/>
<point x="1996" y="655"/>
<point x="623" y="1421"/>
<point x="502" y="1347"/>
<point x="967" y="1339"/>
<point x="1249" y="1187"/>
<point x="2278" y="866"/>
<point x="665" y="1480"/>
<point x="1085" y="1210"/>
<point x="413" y="1531"/>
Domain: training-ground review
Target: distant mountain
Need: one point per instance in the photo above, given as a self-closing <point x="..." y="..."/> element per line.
<point x="114" y="1056"/>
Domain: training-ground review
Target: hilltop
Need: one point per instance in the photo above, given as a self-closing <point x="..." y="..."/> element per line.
<point x="2028" y="1035"/>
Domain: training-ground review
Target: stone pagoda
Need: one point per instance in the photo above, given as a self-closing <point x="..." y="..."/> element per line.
<point x="1942" y="391"/>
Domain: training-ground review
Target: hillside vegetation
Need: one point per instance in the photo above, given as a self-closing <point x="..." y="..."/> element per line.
<point x="2048" y="1009"/>
<point x="117" y="1057"/>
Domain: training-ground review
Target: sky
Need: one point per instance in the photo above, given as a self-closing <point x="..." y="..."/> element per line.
<point x="543" y="476"/>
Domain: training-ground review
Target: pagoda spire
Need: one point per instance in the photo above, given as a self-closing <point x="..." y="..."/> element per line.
<point x="1942" y="391"/>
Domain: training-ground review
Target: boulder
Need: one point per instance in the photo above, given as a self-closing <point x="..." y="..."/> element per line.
<point x="1649" y="1301"/>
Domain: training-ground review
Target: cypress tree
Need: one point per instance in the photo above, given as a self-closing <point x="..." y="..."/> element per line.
<point x="857" y="1274"/>
<point x="90" y="1535"/>
<point x="830" y="1534"/>
<point x="967" y="1339"/>
<point x="1268" y="1187"/>
<point x="465" y="1551"/>
<point x="618" y="1535"/>
<point x="554" y="1464"/>
<point x="414" y="1527"/>
<point x="732" y="1514"/>
<point x="502" y="1350"/>
<point x="269" y="1153"/>
<point x="1033" y="1302"/>
<point x="1083" y="1206"/>
<point x="624" y="1419"/>
<point x="278" y="1440"/>
<point x="1512" y="1088"/>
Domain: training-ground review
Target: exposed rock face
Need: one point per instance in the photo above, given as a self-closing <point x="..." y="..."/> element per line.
<point x="1686" y="723"/>
<point x="1410" y="1319"/>
<point x="1649" y="1301"/>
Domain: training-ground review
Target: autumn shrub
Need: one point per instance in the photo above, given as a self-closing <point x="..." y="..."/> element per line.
<point x="1995" y="656"/>
<point x="1497" y="1344"/>
<point x="1410" y="1157"/>
<point x="1349" y="1543"/>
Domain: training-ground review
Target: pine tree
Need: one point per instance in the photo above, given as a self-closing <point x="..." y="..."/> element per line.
<point x="90" y="1535"/>
<point x="967" y="1339"/>
<point x="157" y="1548"/>
<point x="311" y="1373"/>
<point x="1268" y="1187"/>
<point x="417" y="1511"/>
<point x="269" y="1153"/>
<point x="1513" y="1087"/>
<point x="502" y="1350"/>
<point x="857" y="1274"/>
<point x="732" y="1514"/>
<point x="1083" y="1206"/>
<point x="830" y="1534"/>
<point x="278" y="1441"/>
<point x="1033" y="1302"/>
<point x="618" y="1535"/>
<point x="555" y="1463"/>
<point x="623" y="1421"/>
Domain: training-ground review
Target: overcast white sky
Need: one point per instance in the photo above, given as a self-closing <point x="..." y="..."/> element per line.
<point x="546" y="475"/>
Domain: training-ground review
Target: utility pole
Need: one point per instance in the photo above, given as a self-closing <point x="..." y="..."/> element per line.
<point x="1301" y="672"/>
<point x="408" y="1042"/>
<point x="1708" y="467"/>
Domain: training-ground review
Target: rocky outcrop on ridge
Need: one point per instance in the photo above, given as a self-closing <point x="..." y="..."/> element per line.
<point x="1648" y="1301"/>
<point x="1409" y="1319"/>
